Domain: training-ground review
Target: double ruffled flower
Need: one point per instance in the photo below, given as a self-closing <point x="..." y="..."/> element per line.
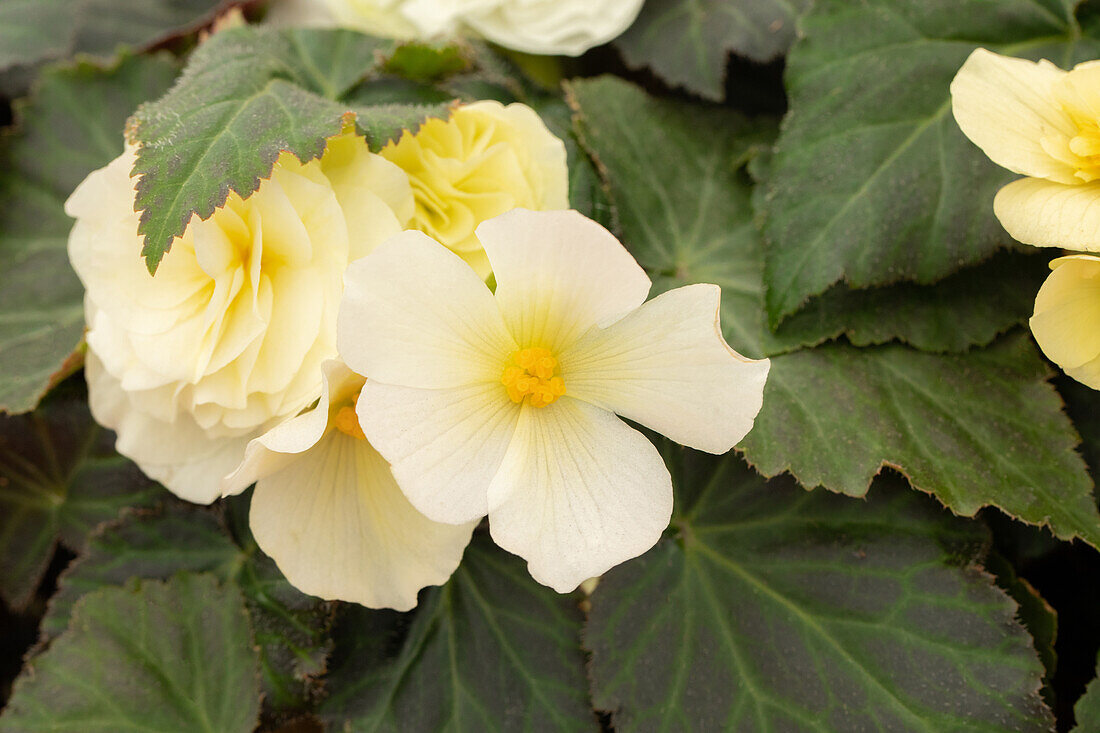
<point x="228" y="339"/>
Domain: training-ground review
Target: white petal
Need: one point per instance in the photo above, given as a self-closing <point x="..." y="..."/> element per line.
<point x="1048" y="214"/>
<point x="1067" y="317"/>
<point x="559" y="274"/>
<point x="276" y="448"/>
<point x="592" y="493"/>
<point x="667" y="367"/>
<point x="445" y="445"/>
<point x="339" y="528"/>
<point x="415" y="314"/>
<point x="1006" y="107"/>
<point x="178" y="454"/>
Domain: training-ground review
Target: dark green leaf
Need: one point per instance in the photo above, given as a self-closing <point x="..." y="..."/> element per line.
<point x="772" y="608"/>
<point x="976" y="429"/>
<point x="1087" y="710"/>
<point x="490" y="651"/>
<point x="246" y="95"/>
<point x="1038" y="617"/>
<point x="152" y="656"/>
<point x="687" y="42"/>
<point x="384" y="122"/>
<point x="873" y="182"/>
<point x="685" y="212"/>
<point x="33" y="31"/>
<point x="59" y="478"/>
<point x="289" y="627"/>
<point x="72" y="126"/>
<point x="427" y="62"/>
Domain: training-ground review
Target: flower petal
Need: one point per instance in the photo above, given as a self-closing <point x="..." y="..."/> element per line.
<point x="1067" y="317"/>
<point x="415" y="314"/>
<point x="558" y="275"/>
<point x="1006" y="107"/>
<point x="1048" y="214"/>
<point x="178" y="454"/>
<point x="590" y="493"/>
<point x="338" y="527"/>
<point x="445" y="445"/>
<point x="278" y="447"/>
<point x="667" y="367"/>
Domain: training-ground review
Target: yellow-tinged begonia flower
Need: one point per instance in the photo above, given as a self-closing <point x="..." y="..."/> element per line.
<point x="1066" y="322"/>
<point x="327" y="510"/>
<point x="1040" y="121"/>
<point x="485" y="160"/>
<point x="228" y="339"/>
<point x="568" y="27"/>
<point x="504" y="403"/>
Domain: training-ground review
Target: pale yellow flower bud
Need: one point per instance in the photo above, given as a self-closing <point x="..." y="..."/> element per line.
<point x="485" y="160"/>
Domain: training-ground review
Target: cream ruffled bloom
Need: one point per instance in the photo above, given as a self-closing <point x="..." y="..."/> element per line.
<point x="568" y="27"/>
<point x="228" y="339"/>
<point x="1067" y="317"/>
<point x="1044" y="123"/>
<point x="485" y="160"/>
<point x="327" y="510"/>
<point x="504" y="403"/>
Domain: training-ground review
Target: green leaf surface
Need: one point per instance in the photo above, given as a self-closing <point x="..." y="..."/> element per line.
<point x="246" y="95"/>
<point x="33" y="31"/>
<point x="289" y="627"/>
<point x="873" y="182"/>
<point x="976" y="429"/>
<point x="1038" y="617"/>
<point x="772" y="608"/>
<point x="71" y="126"/>
<point x="152" y="656"/>
<point x="1087" y="709"/>
<point x="685" y="211"/>
<point x="687" y="42"/>
<point x="59" y="478"/>
<point x="490" y="651"/>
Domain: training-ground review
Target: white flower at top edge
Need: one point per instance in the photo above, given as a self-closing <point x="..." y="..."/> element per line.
<point x="327" y="510"/>
<point x="568" y="27"/>
<point x="504" y="403"/>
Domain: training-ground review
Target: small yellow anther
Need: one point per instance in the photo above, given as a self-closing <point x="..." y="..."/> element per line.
<point x="347" y="422"/>
<point x="530" y="375"/>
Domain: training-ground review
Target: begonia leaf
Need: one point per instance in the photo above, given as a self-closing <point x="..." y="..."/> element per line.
<point x="685" y="210"/>
<point x="976" y="429"/>
<point x="290" y="628"/>
<point x="872" y="181"/>
<point x="1087" y="709"/>
<point x="771" y="608"/>
<point x="149" y="656"/>
<point x="246" y="95"/>
<point x="687" y="42"/>
<point x="59" y="478"/>
<point x="492" y="650"/>
<point x="71" y="126"/>
<point x="35" y="31"/>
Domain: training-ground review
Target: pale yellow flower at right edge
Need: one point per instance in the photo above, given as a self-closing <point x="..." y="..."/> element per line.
<point x="1040" y="121"/>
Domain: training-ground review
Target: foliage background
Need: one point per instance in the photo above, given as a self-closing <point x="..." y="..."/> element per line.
<point x="906" y="540"/>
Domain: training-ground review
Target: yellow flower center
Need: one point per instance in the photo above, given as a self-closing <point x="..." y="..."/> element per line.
<point x="1078" y="92"/>
<point x="347" y="422"/>
<point x="532" y="375"/>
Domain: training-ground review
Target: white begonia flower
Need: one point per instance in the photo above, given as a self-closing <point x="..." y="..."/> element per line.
<point x="504" y="403"/>
<point x="1040" y="121"/>
<point x="1066" y="322"/>
<point x="568" y="27"/>
<point x="485" y="160"/>
<point x="228" y="339"/>
<point x="327" y="509"/>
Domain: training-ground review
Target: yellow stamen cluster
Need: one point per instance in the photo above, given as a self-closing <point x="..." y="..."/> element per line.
<point x="531" y="374"/>
<point x="347" y="422"/>
<point x="1077" y="94"/>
